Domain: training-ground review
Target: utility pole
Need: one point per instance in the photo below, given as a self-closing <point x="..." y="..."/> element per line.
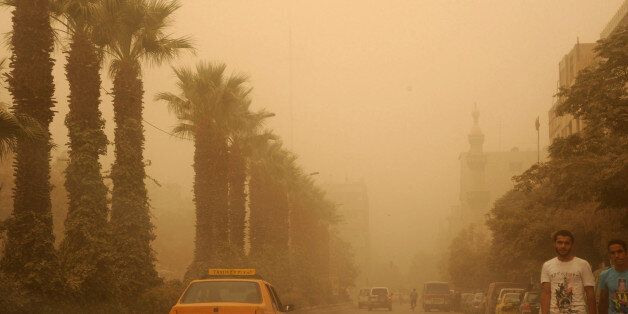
<point x="537" y="124"/>
<point x="290" y="75"/>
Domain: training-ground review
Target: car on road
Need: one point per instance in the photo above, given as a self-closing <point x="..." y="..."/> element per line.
<point x="492" y="294"/>
<point x="530" y="303"/>
<point x="477" y="305"/>
<point x="436" y="295"/>
<point x="380" y="297"/>
<point x="510" y="290"/>
<point x="508" y="303"/>
<point x="466" y="300"/>
<point x="230" y="291"/>
<point x="363" y="298"/>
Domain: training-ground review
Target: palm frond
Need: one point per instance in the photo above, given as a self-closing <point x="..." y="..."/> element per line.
<point x="157" y="51"/>
<point x="14" y="128"/>
<point x="185" y="129"/>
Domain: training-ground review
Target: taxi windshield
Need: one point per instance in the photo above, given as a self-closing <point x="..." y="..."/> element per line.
<point x="223" y="291"/>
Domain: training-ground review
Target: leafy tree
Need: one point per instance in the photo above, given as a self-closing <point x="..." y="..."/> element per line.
<point x="85" y="252"/>
<point x="583" y="187"/>
<point x="133" y="31"/>
<point x="342" y="266"/>
<point x="29" y="253"/>
<point x="468" y="259"/>
<point x="592" y="164"/>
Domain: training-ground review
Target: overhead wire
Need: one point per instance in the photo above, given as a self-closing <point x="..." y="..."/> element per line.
<point x="153" y="125"/>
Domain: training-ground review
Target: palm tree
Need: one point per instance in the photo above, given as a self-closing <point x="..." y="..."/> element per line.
<point x="85" y="251"/>
<point x="134" y="31"/>
<point x="29" y="252"/>
<point x="245" y="138"/>
<point x="205" y="106"/>
<point x="310" y="216"/>
<point x="269" y="212"/>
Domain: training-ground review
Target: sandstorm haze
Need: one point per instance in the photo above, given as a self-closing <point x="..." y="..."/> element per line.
<point x="374" y="91"/>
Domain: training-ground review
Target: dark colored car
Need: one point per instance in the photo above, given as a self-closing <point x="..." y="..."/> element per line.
<point x="436" y="295"/>
<point x="530" y="303"/>
<point x="492" y="293"/>
<point x="380" y="297"/>
<point x="363" y="298"/>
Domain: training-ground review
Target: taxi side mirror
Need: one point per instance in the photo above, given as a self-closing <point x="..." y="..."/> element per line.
<point x="288" y="308"/>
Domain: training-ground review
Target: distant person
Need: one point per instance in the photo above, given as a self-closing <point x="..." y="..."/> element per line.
<point x="567" y="283"/>
<point x="413" y="297"/>
<point x="613" y="290"/>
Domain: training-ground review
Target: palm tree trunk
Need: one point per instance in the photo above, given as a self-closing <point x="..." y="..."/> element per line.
<point x="130" y="218"/>
<point x="211" y="200"/>
<point x="85" y="251"/>
<point x="237" y="200"/>
<point x="203" y="244"/>
<point x="29" y="250"/>
<point x="219" y="201"/>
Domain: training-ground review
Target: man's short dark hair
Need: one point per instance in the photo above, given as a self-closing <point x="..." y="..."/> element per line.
<point x="617" y="241"/>
<point x="564" y="233"/>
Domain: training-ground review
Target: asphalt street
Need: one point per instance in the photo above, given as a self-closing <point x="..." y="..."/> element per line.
<point x="348" y="309"/>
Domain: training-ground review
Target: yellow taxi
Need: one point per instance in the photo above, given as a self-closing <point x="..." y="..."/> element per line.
<point x="230" y="291"/>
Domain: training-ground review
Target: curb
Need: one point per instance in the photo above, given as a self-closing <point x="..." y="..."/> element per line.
<point x="313" y="309"/>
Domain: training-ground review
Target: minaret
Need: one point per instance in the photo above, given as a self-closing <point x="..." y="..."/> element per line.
<point x="476" y="142"/>
<point x="477" y="194"/>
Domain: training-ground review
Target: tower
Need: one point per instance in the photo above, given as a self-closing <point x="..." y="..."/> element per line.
<point x="477" y="194"/>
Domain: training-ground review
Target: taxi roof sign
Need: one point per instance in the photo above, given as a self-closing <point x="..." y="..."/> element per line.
<point x="231" y="272"/>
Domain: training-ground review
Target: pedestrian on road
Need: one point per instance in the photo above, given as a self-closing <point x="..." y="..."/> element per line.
<point x="567" y="283"/>
<point x="613" y="281"/>
<point x="413" y="297"/>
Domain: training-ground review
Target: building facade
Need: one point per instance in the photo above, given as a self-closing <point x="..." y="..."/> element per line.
<point x="581" y="56"/>
<point x="484" y="177"/>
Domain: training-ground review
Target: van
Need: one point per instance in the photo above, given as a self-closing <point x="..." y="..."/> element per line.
<point x="492" y="294"/>
<point x="436" y="295"/>
<point x="380" y="297"/>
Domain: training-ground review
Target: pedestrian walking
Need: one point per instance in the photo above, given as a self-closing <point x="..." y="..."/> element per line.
<point x="613" y="281"/>
<point x="413" y="298"/>
<point x="567" y="283"/>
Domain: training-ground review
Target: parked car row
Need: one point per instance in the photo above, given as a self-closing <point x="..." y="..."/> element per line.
<point x="505" y="298"/>
<point x="499" y="298"/>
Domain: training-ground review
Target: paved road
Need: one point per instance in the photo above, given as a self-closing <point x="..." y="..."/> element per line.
<point x="397" y="309"/>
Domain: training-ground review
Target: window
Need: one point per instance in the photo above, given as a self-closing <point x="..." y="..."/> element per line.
<point x="379" y="291"/>
<point x="223" y="291"/>
<point x="275" y="297"/>
<point x="437" y="288"/>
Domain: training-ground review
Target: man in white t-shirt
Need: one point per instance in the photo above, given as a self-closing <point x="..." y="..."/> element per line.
<point x="567" y="281"/>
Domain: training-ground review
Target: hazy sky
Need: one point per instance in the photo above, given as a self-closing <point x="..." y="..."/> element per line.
<point x="382" y="90"/>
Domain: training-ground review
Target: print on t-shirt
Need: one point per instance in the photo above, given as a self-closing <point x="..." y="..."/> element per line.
<point x="564" y="293"/>
<point x="620" y="299"/>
